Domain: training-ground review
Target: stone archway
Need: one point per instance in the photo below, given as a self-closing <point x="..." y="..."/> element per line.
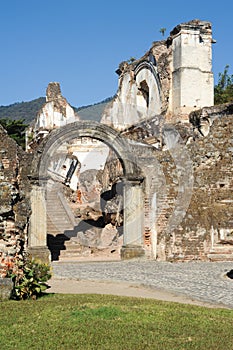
<point x="133" y="192"/>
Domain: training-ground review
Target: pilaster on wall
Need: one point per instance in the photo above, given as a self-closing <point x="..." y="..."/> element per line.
<point x="37" y="240"/>
<point x="192" y="77"/>
<point x="133" y="219"/>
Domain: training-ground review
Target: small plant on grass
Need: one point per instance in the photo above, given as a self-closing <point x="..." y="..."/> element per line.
<point x="29" y="277"/>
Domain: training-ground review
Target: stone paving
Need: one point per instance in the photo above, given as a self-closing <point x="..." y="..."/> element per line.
<point x="202" y="281"/>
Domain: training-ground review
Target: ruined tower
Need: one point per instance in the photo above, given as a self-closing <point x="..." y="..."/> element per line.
<point x="172" y="79"/>
<point x="192" y="77"/>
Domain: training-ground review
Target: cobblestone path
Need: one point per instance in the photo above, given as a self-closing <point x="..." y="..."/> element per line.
<point x="203" y="281"/>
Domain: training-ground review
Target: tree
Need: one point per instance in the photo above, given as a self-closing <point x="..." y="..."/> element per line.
<point x="15" y="129"/>
<point x="131" y="60"/>
<point x="223" y="91"/>
<point x="162" y="31"/>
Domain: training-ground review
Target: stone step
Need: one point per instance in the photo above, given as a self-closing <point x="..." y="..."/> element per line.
<point x="61" y="225"/>
<point x="64" y="254"/>
<point x="60" y="220"/>
<point x="74" y="240"/>
<point x="72" y="243"/>
<point x="58" y="214"/>
<point x="59" y="243"/>
<point x="55" y="209"/>
<point x="55" y="232"/>
<point x="220" y="257"/>
<point x="74" y="249"/>
<point x="51" y="205"/>
<point x="226" y="249"/>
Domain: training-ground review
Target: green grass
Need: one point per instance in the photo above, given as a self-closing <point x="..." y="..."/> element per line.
<point x="110" y="322"/>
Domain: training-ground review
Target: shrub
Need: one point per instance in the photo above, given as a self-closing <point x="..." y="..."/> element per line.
<point x="29" y="277"/>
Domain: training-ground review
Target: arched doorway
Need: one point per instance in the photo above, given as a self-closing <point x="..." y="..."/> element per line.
<point x="132" y="179"/>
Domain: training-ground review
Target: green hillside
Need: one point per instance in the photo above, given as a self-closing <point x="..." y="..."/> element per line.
<point x="27" y="111"/>
<point x="95" y="111"/>
<point x="22" y="110"/>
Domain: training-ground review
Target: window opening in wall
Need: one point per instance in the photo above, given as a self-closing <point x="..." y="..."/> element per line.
<point x="144" y="88"/>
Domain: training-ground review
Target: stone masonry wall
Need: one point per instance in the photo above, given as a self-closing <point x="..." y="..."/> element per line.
<point x="192" y="179"/>
<point x="206" y="229"/>
<point x="14" y="197"/>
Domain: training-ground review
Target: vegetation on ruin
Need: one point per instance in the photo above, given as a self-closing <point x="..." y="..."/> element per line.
<point x="162" y="31"/>
<point x="27" y="111"/>
<point x="131" y="60"/>
<point x="16" y="117"/>
<point x="29" y="276"/>
<point x="15" y="129"/>
<point x="111" y="322"/>
<point x="223" y="91"/>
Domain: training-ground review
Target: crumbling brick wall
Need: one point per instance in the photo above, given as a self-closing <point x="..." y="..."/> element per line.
<point x="14" y="198"/>
<point x="207" y="223"/>
<point x="204" y="226"/>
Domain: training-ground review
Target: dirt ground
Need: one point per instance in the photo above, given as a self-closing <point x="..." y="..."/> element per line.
<point x="70" y="286"/>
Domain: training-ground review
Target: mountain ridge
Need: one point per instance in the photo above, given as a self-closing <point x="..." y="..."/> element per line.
<point x="27" y="111"/>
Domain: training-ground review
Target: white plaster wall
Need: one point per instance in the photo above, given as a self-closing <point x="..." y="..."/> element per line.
<point x="92" y="158"/>
<point x="70" y="115"/>
<point x="121" y="113"/>
<point x="177" y="56"/>
<point x="129" y="106"/>
<point x="91" y="155"/>
<point x="192" y="78"/>
<point x="154" y="96"/>
<point x="192" y="49"/>
<point x="50" y="118"/>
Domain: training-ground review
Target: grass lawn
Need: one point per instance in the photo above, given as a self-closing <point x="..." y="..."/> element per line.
<point x="112" y="322"/>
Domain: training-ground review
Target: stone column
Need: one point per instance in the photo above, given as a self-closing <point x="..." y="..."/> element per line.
<point x="133" y="219"/>
<point x="37" y="242"/>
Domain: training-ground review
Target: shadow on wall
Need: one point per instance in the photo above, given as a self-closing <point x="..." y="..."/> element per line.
<point x="82" y="231"/>
<point x="88" y="232"/>
<point x="56" y="244"/>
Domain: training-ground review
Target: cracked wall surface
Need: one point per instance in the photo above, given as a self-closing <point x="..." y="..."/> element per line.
<point x="183" y="161"/>
<point x="14" y="193"/>
<point x="192" y="179"/>
<point x="55" y="113"/>
<point x="173" y="78"/>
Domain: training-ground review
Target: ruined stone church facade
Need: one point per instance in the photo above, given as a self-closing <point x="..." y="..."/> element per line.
<point x="173" y="78"/>
<point x="169" y="169"/>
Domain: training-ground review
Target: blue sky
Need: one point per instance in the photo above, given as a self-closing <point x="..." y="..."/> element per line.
<point x="81" y="43"/>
